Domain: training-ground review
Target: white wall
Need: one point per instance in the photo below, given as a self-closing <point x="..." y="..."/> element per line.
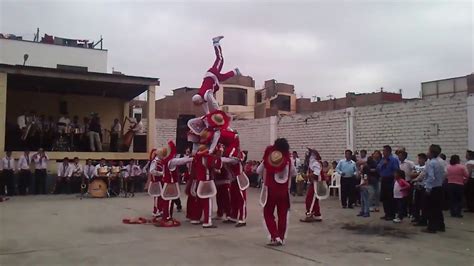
<point x="50" y="55"/>
<point x="413" y="124"/>
<point x="470" y="121"/>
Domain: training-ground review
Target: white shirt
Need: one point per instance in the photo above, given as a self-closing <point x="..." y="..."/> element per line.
<point x="24" y="162"/>
<point x="89" y="171"/>
<point x="64" y="170"/>
<point x="296" y="162"/>
<point x="470" y="163"/>
<point x="134" y="171"/>
<point x="397" y="191"/>
<point x="138" y="128"/>
<point x="8" y="163"/>
<point x="41" y="163"/>
<point x="77" y="169"/>
<point x="96" y="170"/>
<point x="64" y="120"/>
<point x="21" y="121"/>
<point x="315" y="166"/>
<point x="117" y="128"/>
<point x="408" y="167"/>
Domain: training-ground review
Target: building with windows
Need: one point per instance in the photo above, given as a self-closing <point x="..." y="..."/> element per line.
<point x="237" y="97"/>
<point x="275" y="99"/>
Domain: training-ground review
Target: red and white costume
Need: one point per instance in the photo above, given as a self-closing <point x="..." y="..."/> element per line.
<point x="210" y="83"/>
<point x="238" y="197"/>
<point x="223" y="194"/>
<point x="156" y="175"/>
<point x="193" y="208"/>
<point x="170" y="174"/>
<point x="276" y="170"/>
<point x="204" y="166"/>
<point x="313" y="212"/>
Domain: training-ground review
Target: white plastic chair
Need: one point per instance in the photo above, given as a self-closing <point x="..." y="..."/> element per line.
<point x="336" y="184"/>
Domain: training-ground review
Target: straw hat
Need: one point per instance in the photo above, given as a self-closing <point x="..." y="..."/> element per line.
<point x="218" y="119"/>
<point x="168" y="152"/>
<point x="274" y="160"/>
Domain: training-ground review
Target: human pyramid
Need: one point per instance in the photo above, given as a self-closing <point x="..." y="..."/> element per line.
<point x="215" y="170"/>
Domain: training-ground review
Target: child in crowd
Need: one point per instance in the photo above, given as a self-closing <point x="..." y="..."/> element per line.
<point x="401" y="189"/>
<point x="364" y="196"/>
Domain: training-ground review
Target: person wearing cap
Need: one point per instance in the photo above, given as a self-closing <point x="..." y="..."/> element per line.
<point x="210" y="84"/>
<point x="277" y="171"/>
<point x="169" y="165"/>
<point x="313" y="211"/>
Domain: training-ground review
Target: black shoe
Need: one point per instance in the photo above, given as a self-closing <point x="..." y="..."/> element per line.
<point x="428" y="231"/>
<point x="179" y="209"/>
<point x="240" y="224"/>
<point x="228" y="222"/>
<point x="389" y="218"/>
<point x="344" y="207"/>
<point x="209" y="226"/>
<point x="351" y="207"/>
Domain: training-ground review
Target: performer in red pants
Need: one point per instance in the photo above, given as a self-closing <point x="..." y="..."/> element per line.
<point x="155" y="175"/>
<point x="169" y="164"/>
<point x="278" y="171"/>
<point x="205" y="166"/>
<point x="210" y="83"/>
<point x="313" y="213"/>
<point x="222" y="182"/>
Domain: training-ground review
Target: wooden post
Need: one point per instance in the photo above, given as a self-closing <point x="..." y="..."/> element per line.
<point x="3" y="110"/>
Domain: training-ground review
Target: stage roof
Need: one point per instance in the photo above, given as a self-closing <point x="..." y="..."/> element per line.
<point x="53" y="80"/>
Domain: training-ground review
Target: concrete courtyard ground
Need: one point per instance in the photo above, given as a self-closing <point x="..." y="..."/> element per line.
<point x="63" y="230"/>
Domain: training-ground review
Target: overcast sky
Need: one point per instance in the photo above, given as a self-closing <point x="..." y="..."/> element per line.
<point x="322" y="47"/>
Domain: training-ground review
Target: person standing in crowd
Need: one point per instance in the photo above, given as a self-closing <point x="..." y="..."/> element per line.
<point x="369" y="172"/>
<point x="8" y="173"/>
<point x="347" y="169"/>
<point x="94" y="134"/>
<point x="41" y="166"/>
<point x="375" y="182"/>
<point x="63" y="179"/>
<point x="63" y="122"/>
<point x="386" y="168"/>
<point x="408" y="167"/>
<point x="296" y="162"/>
<point x="278" y="169"/>
<point x="364" y="193"/>
<point x="419" y="216"/>
<point x="469" y="190"/>
<point x="115" y="132"/>
<point x="435" y="173"/>
<point x="457" y="176"/>
<point x="24" y="178"/>
<point x="401" y="188"/>
<point x="134" y="172"/>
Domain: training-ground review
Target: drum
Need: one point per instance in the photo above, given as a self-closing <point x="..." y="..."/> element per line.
<point x="170" y="191"/>
<point x="263" y="196"/>
<point x="206" y="189"/>
<point x="98" y="189"/>
<point x="243" y="181"/>
<point x="321" y="190"/>
<point x="154" y="189"/>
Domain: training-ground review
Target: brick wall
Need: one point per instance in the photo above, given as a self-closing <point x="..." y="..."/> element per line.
<point x="255" y="135"/>
<point x="414" y="125"/>
<point x="324" y="131"/>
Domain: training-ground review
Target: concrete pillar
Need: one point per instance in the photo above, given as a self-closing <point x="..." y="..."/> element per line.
<point x="151" y="132"/>
<point x="350" y="128"/>
<point x="273" y="129"/>
<point x="126" y="109"/>
<point x="3" y="110"/>
<point x="470" y="121"/>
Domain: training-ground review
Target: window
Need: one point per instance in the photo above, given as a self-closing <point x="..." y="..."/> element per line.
<point x="235" y="96"/>
<point x="282" y="103"/>
<point x="259" y="97"/>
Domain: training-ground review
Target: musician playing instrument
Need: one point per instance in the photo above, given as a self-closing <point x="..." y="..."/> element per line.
<point x="102" y="170"/>
<point x="63" y="179"/>
<point x="24" y="177"/>
<point x="131" y="173"/>
<point x="114" y="179"/>
<point x="77" y="179"/>
<point x="41" y="166"/>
